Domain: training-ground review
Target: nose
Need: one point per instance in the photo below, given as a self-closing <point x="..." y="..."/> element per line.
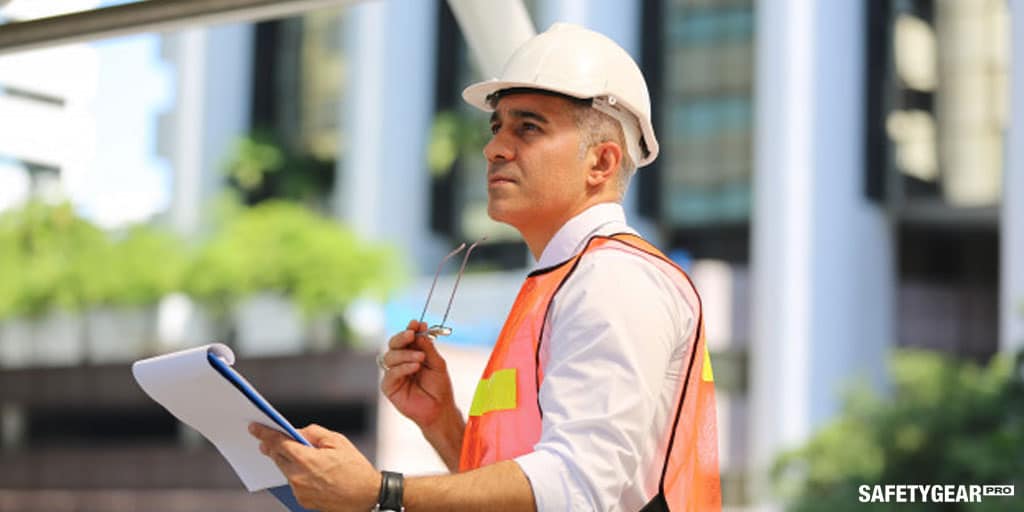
<point x="498" y="148"/>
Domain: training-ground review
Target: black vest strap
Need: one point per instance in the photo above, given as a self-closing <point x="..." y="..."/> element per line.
<point x="657" y="504"/>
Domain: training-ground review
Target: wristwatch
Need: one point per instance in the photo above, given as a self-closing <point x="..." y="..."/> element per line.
<point x="390" y="498"/>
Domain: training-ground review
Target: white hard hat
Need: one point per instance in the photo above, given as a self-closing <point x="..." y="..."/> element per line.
<point x="574" y="61"/>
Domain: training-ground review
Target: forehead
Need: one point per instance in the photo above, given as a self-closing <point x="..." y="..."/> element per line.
<point x="551" y="107"/>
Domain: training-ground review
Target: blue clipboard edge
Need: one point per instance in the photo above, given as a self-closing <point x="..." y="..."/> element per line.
<point x="236" y="379"/>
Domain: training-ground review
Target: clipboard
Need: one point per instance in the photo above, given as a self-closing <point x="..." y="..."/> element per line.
<point x="200" y="388"/>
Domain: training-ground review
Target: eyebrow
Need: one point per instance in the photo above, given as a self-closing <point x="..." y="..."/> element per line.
<point x="520" y="114"/>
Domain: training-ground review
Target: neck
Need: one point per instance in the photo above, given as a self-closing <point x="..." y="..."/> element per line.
<point x="537" y="237"/>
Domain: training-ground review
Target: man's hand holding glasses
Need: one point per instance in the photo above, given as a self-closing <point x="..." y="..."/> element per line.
<point x="416" y="378"/>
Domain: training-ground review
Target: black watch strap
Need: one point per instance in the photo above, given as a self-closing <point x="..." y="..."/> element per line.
<point x="391" y="487"/>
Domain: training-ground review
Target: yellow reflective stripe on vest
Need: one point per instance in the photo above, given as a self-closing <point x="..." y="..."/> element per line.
<point x="706" y="372"/>
<point x="497" y="393"/>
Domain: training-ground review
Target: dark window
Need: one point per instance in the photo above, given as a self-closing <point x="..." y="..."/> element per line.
<point x="98" y="426"/>
<point x="298" y="80"/>
<point x="948" y="290"/>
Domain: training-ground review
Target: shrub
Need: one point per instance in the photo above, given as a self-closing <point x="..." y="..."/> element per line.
<point x="148" y="263"/>
<point x="51" y="258"/>
<point x="946" y="422"/>
<point x="286" y="248"/>
<point x="47" y="259"/>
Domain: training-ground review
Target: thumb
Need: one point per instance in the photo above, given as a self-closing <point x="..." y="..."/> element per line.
<point x="320" y="437"/>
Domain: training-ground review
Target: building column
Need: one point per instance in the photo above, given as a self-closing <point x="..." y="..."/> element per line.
<point x="386" y="118"/>
<point x="822" y="255"/>
<point x="1011" y="235"/>
<point x="212" y="107"/>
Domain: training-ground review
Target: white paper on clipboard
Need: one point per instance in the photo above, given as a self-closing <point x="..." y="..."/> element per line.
<point x="189" y="387"/>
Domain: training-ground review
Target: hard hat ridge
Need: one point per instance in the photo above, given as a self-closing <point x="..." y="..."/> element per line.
<point x="579" y="63"/>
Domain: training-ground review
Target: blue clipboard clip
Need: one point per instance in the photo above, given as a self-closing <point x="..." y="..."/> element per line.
<point x="283" y="493"/>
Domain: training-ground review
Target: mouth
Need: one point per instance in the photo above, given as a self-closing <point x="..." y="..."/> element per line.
<point x="498" y="180"/>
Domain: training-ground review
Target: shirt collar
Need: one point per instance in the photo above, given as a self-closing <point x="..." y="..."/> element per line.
<point x="600" y="219"/>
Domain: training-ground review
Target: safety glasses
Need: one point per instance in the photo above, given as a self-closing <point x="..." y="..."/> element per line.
<point x="441" y="329"/>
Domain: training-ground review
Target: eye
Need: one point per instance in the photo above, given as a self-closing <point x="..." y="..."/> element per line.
<point x="494" y="128"/>
<point x="528" y="127"/>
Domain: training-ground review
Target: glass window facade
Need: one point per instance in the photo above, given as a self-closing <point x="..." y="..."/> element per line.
<point x="945" y="106"/>
<point x="706" y="112"/>
<point x="937" y="110"/>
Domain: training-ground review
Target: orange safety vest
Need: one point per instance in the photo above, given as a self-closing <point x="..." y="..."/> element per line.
<point x="505" y="416"/>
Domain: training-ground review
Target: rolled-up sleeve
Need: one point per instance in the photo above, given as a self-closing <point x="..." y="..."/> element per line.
<point x="610" y="355"/>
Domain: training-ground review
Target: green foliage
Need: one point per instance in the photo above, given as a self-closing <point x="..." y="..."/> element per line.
<point x="149" y="264"/>
<point x="283" y="247"/>
<point x="44" y="259"/>
<point x="946" y="422"/>
<point x="453" y="135"/>
<point x="51" y="258"/>
<point x="254" y="159"/>
<point x="263" y="167"/>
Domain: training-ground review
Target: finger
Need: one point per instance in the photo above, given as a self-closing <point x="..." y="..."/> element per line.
<point x="401" y="339"/>
<point x="404" y="338"/>
<point x="275" y="444"/>
<point x="320" y="437"/>
<point x="396" y="376"/>
<point x="290" y="451"/>
<point x="432" y="358"/>
<point x="397" y="357"/>
<point x="265" y="433"/>
<point x="283" y="463"/>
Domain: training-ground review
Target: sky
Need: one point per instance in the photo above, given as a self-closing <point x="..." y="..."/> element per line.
<point x="129" y="182"/>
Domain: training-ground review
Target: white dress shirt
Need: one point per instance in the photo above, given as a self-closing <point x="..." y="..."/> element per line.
<point x="613" y="357"/>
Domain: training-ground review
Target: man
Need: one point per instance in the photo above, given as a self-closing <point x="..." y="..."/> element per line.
<point x="598" y="395"/>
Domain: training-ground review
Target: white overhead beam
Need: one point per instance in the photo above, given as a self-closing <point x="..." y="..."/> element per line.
<point x="493" y="31"/>
<point x="148" y="16"/>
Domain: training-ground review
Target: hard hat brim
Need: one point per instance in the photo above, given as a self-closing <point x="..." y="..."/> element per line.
<point x="478" y="94"/>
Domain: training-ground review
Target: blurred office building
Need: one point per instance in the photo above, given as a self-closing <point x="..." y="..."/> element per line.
<point x="840" y="179"/>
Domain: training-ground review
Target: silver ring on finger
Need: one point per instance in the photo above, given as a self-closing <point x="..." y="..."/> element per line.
<point x="381" y="363"/>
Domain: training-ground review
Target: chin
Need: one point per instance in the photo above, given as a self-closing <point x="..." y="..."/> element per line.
<point x="495" y="214"/>
<point x="498" y="214"/>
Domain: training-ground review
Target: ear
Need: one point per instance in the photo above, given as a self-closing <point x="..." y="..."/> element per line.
<point x="605" y="162"/>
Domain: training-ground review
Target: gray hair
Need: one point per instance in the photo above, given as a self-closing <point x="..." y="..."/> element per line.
<point x="596" y="127"/>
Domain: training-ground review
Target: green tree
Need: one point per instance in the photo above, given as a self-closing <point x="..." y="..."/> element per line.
<point x="946" y="422"/>
<point x="52" y="259"/>
<point x="284" y="247"/>
<point x="262" y="167"/>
